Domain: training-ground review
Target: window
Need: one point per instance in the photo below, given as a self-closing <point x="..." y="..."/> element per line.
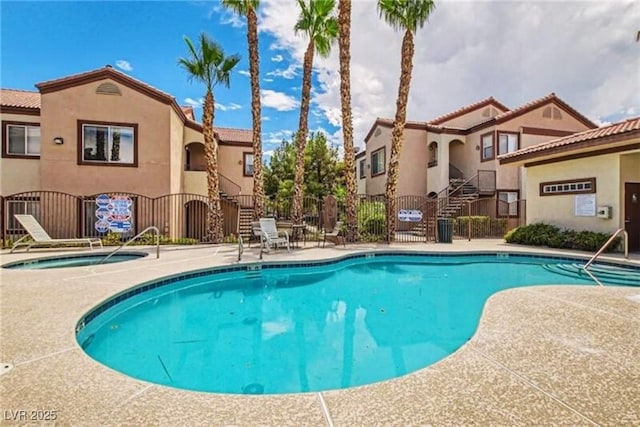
<point x="574" y="186"/>
<point x="378" y="162"/>
<point x="247" y="161"/>
<point x="362" y="166"/>
<point x="113" y="144"/>
<point x="486" y="147"/>
<point x="21" y="140"/>
<point x="23" y="205"/>
<point x="507" y="203"/>
<point x="507" y="142"/>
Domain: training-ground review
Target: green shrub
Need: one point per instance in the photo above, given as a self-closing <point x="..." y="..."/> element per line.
<point x="371" y="219"/>
<point x="540" y="234"/>
<point x="115" y="239"/>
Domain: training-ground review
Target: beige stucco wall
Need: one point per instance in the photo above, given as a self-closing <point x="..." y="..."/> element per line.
<point x="19" y="175"/>
<point x="230" y="160"/>
<point x="559" y="210"/>
<point x="412" y="179"/>
<point x="376" y="185"/>
<point x="471" y="118"/>
<point x="59" y="115"/>
<point x="194" y="182"/>
<point x="176" y="151"/>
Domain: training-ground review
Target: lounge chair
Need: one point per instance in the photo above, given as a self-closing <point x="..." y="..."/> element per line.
<point x="335" y="235"/>
<point x="271" y="236"/>
<point x="41" y="238"/>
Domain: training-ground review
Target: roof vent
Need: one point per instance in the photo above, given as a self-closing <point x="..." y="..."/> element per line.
<point x="108" y="66"/>
<point x="108" y="89"/>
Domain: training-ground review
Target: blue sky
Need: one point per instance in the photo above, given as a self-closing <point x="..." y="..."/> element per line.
<point x="516" y="51"/>
<point x="145" y="40"/>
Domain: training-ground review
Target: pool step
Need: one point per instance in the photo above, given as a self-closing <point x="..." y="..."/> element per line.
<point x="607" y="274"/>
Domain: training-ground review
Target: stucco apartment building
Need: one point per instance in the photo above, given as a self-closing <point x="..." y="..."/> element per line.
<point x="463" y="146"/>
<point x="103" y="131"/>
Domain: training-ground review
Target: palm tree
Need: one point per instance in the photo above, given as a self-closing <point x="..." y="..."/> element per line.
<point x="405" y="15"/>
<point x="248" y="8"/>
<point x="209" y="65"/>
<point x="317" y="21"/>
<point x="344" y="43"/>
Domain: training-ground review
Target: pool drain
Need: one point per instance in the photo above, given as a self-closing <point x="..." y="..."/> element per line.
<point x="5" y="367"/>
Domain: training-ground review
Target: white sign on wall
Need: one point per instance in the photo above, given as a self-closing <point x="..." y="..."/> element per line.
<point x="410" y="215"/>
<point x="584" y="205"/>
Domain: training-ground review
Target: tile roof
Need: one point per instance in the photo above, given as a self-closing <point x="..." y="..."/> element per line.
<point x="234" y="135"/>
<point x="467" y="109"/>
<point x="188" y="111"/>
<point x="625" y="129"/>
<point x="19" y="98"/>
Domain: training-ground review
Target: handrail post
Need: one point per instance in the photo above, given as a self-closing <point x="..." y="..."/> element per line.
<point x="607" y="243"/>
<point x="153" y="228"/>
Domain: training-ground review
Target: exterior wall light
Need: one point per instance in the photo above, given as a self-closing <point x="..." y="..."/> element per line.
<point x="58" y="140"/>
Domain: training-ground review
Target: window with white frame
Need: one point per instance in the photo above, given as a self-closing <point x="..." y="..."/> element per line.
<point x="574" y="186"/>
<point x="378" y="160"/>
<point x="108" y="144"/>
<point x="508" y="203"/>
<point x="507" y="142"/>
<point x="362" y="166"/>
<point x="22" y="140"/>
<point x="486" y="147"/>
<point x="247" y="161"/>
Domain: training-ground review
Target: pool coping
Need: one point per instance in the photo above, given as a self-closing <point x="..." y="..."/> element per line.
<point x="47" y="374"/>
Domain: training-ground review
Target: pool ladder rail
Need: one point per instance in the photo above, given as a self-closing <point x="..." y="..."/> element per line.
<point x="140" y="234"/>
<point x="608" y="242"/>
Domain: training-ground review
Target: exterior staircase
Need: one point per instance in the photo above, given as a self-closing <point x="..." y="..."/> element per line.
<point x="455" y="198"/>
<point x="245" y="216"/>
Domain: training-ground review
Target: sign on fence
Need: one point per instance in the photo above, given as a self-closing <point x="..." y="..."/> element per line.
<point x="113" y="213"/>
<point x="410" y="215"/>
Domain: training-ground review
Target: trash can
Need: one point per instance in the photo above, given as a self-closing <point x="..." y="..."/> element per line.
<point x="445" y="230"/>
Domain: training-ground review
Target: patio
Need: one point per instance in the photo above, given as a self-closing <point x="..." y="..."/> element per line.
<point x="541" y="355"/>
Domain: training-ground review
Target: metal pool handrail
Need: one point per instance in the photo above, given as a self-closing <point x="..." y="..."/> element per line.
<point x="240" y="248"/>
<point x="134" y="238"/>
<point x="608" y="242"/>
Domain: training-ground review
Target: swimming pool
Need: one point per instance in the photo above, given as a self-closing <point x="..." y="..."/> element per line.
<point x="82" y="260"/>
<point x="301" y="327"/>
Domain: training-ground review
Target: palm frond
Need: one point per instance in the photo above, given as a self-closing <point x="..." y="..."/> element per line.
<point x="406" y="15"/>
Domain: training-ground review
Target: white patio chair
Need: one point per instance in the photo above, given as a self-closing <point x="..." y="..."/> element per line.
<point x="271" y="236"/>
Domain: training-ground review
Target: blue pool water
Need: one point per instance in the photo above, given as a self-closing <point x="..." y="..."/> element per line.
<point x="83" y="260"/>
<point x="288" y="329"/>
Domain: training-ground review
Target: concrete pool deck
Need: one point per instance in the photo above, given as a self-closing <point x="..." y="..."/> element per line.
<point x="546" y="355"/>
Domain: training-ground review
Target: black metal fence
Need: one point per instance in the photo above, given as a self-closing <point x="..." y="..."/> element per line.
<point x="184" y="216"/>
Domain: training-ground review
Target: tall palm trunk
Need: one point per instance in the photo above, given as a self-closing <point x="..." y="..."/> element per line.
<point x="254" y="71"/>
<point x="303" y="127"/>
<point x="397" y="135"/>
<point x="214" y="217"/>
<point x="344" y="21"/>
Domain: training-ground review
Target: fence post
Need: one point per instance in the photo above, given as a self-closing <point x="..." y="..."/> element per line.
<point x="2" y="207"/>
<point x="469" y="218"/>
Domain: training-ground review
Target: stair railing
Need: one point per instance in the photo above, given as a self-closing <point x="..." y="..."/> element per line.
<point x="228" y="187"/>
<point x="140" y="234"/>
<point x="602" y="249"/>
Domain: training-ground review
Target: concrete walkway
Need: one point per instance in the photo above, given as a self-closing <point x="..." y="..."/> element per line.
<point x="547" y="355"/>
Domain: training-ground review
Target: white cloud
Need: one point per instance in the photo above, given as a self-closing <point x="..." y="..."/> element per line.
<point x="193" y="102"/>
<point x="124" y="65"/>
<point x="288" y="73"/>
<point x="227" y="17"/>
<point x="549" y="51"/>
<point x="277" y="58"/>
<point x="228" y="107"/>
<point x="266" y="118"/>
<point x="276" y="138"/>
<point x="278" y="100"/>
<point x="267" y="80"/>
<point x="244" y="72"/>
